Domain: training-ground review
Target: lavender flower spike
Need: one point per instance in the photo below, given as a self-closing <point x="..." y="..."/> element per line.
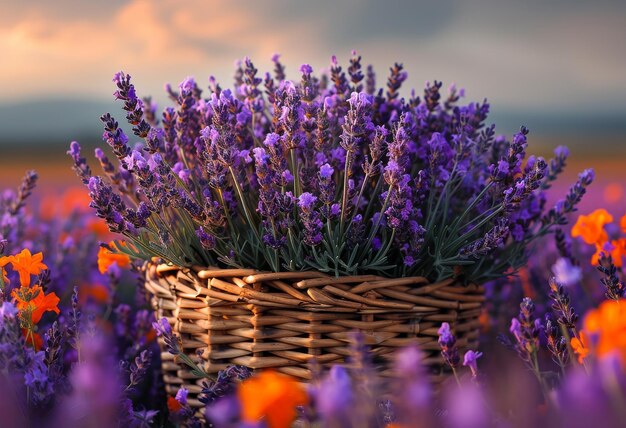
<point x="469" y="360"/>
<point x="164" y="329"/>
<point x="447" y="342"/>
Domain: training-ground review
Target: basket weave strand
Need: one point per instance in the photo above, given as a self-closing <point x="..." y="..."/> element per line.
<point x="283" y="320"/>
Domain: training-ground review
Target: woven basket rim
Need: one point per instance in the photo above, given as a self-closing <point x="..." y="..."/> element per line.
<point x="316" y="291"/>
<point x="255" y="275"/>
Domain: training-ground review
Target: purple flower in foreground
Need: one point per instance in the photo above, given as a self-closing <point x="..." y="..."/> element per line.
<point x="225" y="383"/>
<point x="8" y="310"/>
<point x="80" y="163"/>
<point x="526" y="329"/>
<point x="181" y="396"/>
<point x="467" y="408"/>
<point x="447" y="342"/>
<point x="224" y="412"/>
<point x="310" y="219"/>
<point x="516" y="329"/>
<point x="565" y="272"/>
<point x="469" y="360"/>
<point x="306" y="69"/>
<point x="207" y="240"/>
<point x="334" y="397"/>
<point x="412" y="390"/>
<point x="561" y="305"/>
<point x="164" y="329"/>
<point x="326" y="171"/>
<point x="306" y="201"/>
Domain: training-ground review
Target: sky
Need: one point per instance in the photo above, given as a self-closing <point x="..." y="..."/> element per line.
<point x="556" y="64"/>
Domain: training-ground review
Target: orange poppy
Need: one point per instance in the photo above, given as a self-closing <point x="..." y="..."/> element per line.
<point x="622" y="223"/>
<point x="99" y="227"/>
<point x="616" y="249"/>
<point x="581" y="346"/>
<point x="74" y="199"/>
<point x="607" y="324"/>
<point x="591" y="227"/>
<point x="27" y="264"/>
<point x="106" y="258"/>
<point x="34" y="301"/>
<point x="97" y="292"/>
<point x="33" y="339"/>
<point x="4" y="260"/>
<point x="273" y="396"/>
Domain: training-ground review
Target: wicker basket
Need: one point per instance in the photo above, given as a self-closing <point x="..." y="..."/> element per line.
<point x="283" y="320"/>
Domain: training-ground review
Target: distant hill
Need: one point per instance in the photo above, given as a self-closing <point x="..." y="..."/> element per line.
<point x="52" y="123"/>
<point x="52" y="120"/>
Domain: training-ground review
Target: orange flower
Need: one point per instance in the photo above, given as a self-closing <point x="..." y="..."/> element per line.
<point x="622" y="223"/>
<point x="591" y="227"/>
<point x="3" y="262"/>
<point x="34" y="301"/>
<point x="581" y="346"/>
<point x="97" y="292"/>
<point x="106" y="258"/>
<point x="615" y="249"/>
<point x="74" y="200"/>
<point x="99" y="227"/>
<point x="273" y="396"/>
<point x="607" y="324"/>
<point x="33" y="339"/>
<point x="27" y="264"/>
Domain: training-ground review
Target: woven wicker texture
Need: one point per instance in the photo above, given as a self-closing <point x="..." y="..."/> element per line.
<point x="283" y="320"/>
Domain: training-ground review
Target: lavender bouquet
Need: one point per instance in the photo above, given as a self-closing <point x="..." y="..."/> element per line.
<point x="328" y="173"/>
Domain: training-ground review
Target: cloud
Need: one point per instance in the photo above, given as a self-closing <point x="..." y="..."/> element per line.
<point x="527" y="55"/>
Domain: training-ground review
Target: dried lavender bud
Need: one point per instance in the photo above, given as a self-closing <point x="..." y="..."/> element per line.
<point x="138" y="369"/>
<point x="115" y="137"/>
<point x="556" y="343"/>
<point x="561" y="305"/>
<point x="395" y="80"/>
<point x="224" y="384"/>
<point x="525" y="330"/>
<point x="487" y="244"/>
<point x="614" y="287"/>
<point x="163" y="329"/>
<point x="23" y="192"/>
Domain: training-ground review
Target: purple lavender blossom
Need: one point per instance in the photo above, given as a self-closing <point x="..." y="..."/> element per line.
<point x="469" y="360"/>
<point x="310" y="219"/>
<point x="164" y="329"/>
<point x="8" y="310"/>
<point x="224" y="385"/>
<point x="447" y="342"/>
<point x="334" y="397"/>
<point x="181" y="396"/>
<point x="80" y="163"/>
<point x="565" y="272"/>
<point x="413" y="393"/>
<point x="326" y="172"/>
<point x="226" y="171"/>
